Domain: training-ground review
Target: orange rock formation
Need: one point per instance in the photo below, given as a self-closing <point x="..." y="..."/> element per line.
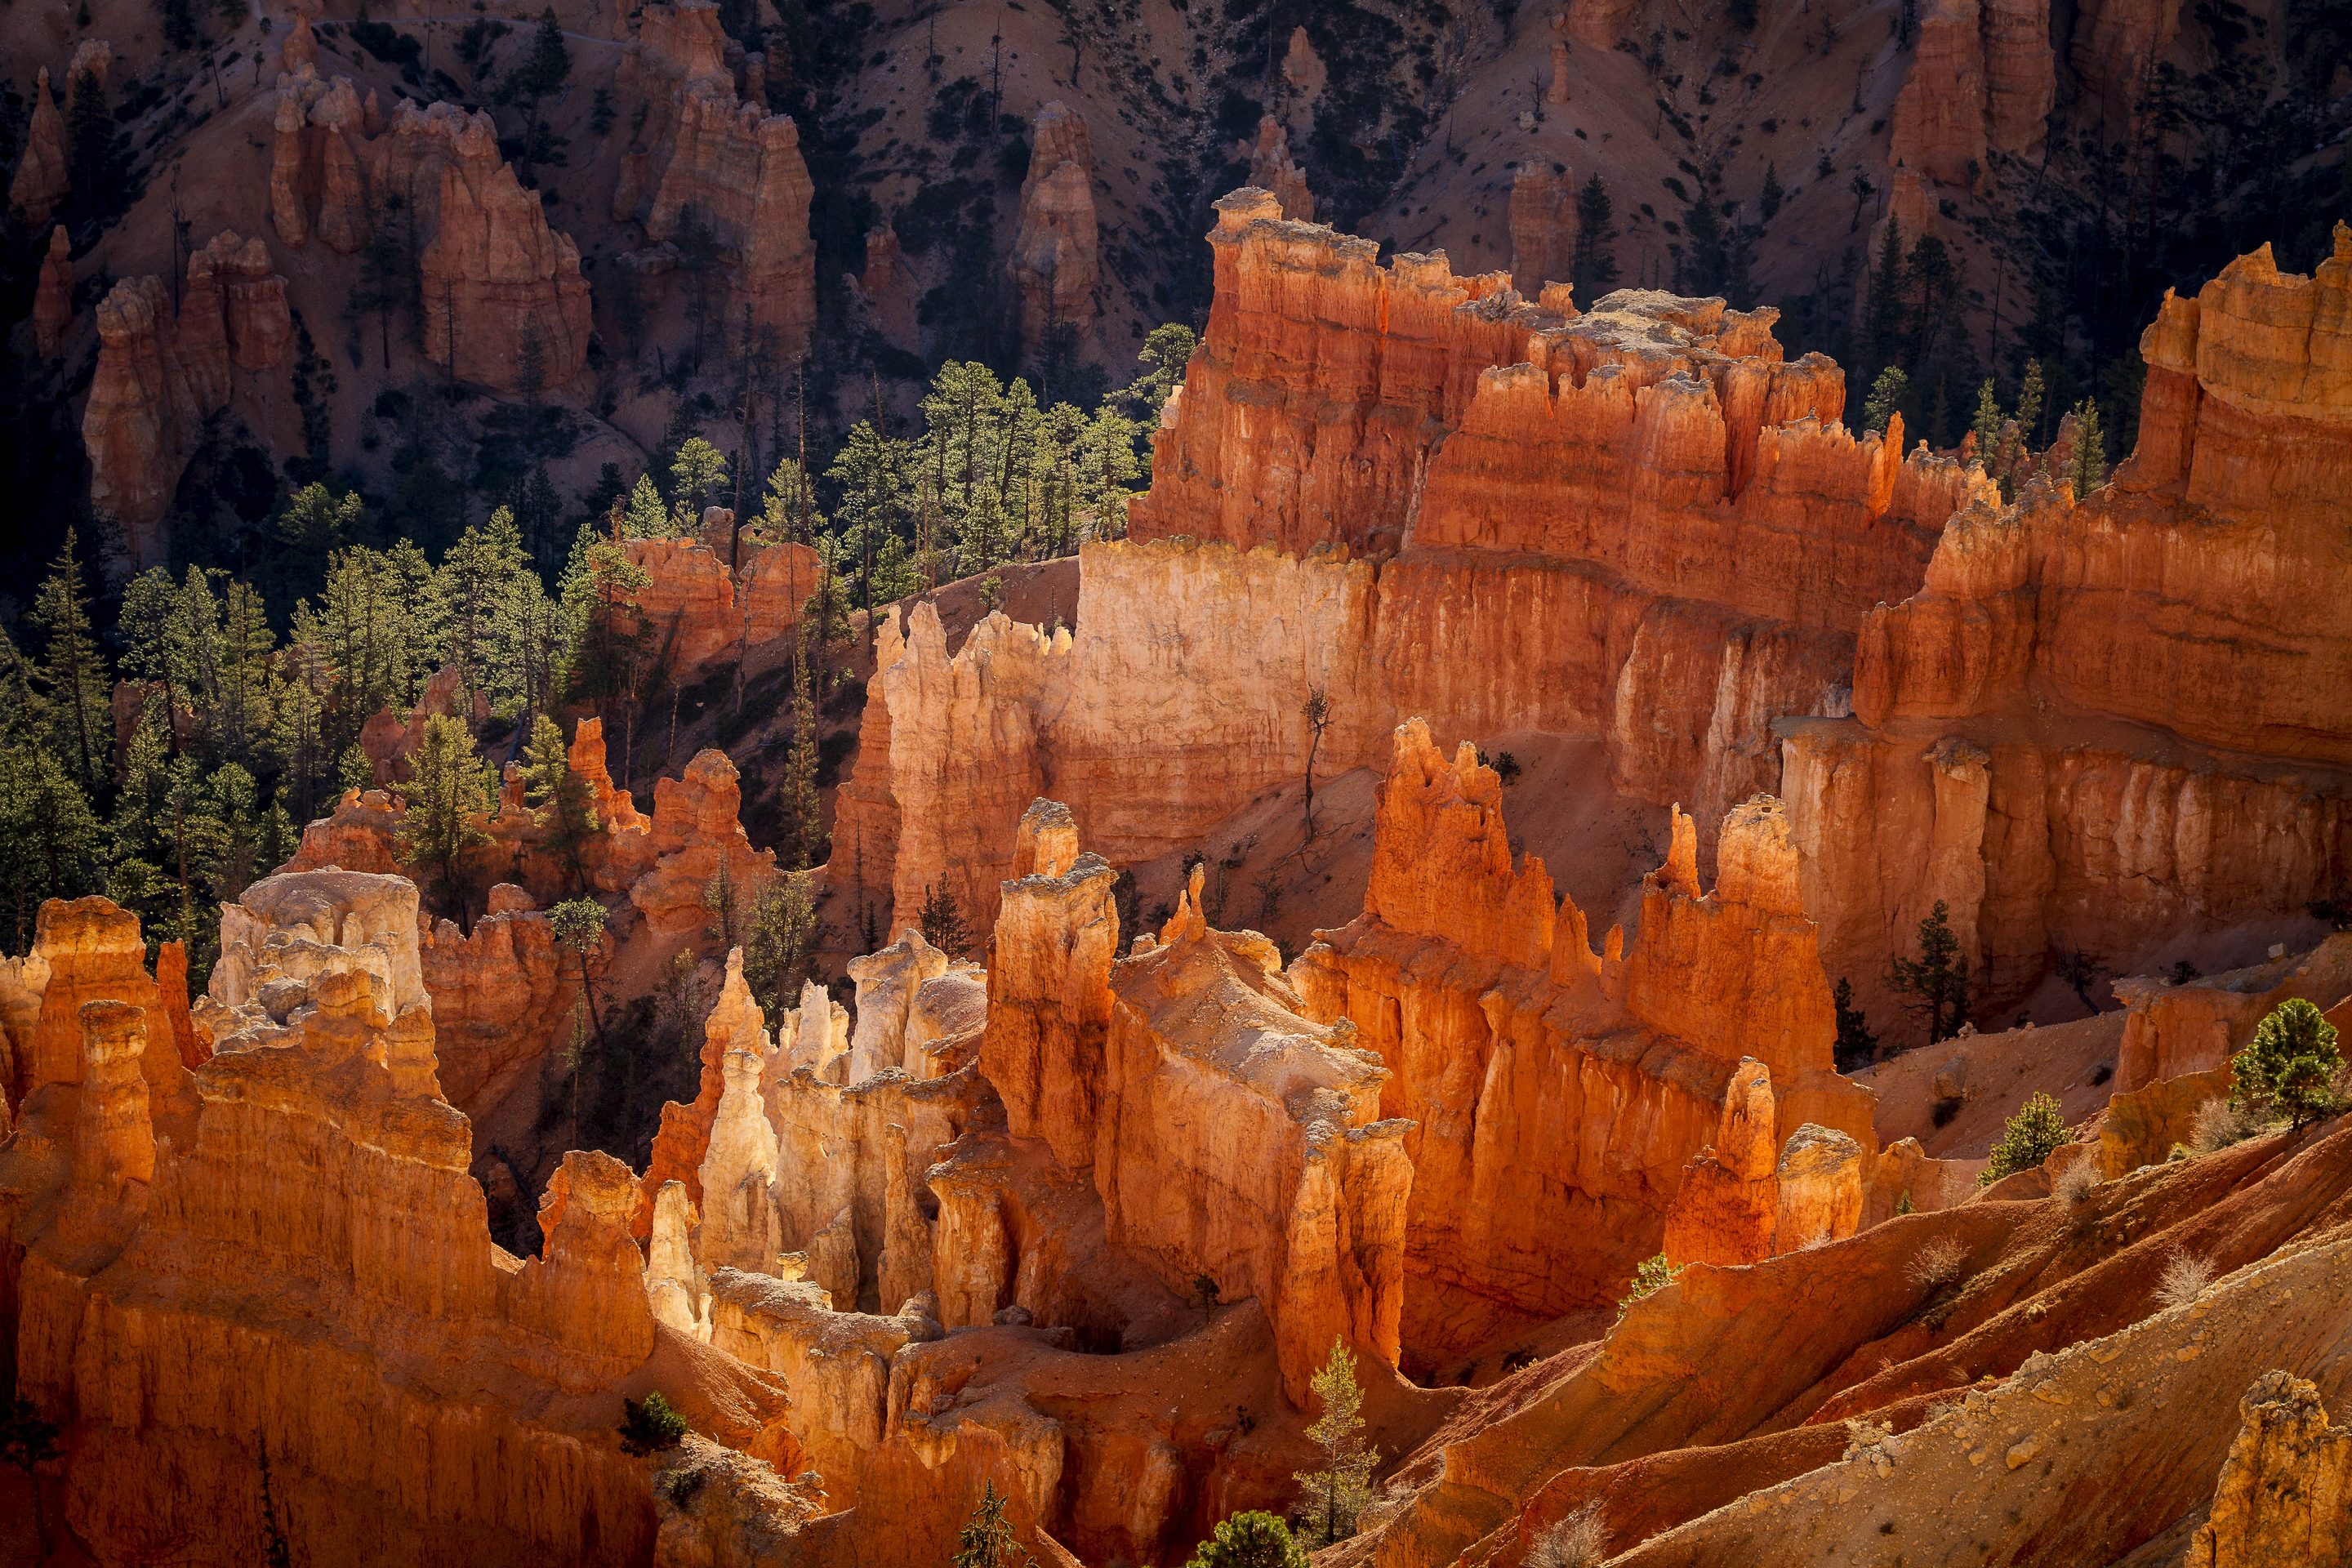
<point x="1481" y="991"/>
<point x="2087" y="731"/>
<point x="1648" y="484"/>
<point x="42" y="179"/>
<point x="53" y="296"/>
<point x="193" y="1306"/>
<point x="160" y="375"/>
<point x="738" y="167"/>
<point x="1271" y="168"/>
<point x="1054" y="265"/>
<point x="1543" y="224"/>
<point x="709" y="598"/>
<point x="1939" y="115"/>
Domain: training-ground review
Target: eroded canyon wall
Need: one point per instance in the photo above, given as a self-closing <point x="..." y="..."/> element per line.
<point x="2106" y="722"/>
<point x="197" y="1304"/>
<point x="1418" y="494"/>
<point x="1556" y="1092"/>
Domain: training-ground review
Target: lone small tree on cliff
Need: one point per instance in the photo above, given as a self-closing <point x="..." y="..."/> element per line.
<point x="986" y="1538"/>
<point x="1317" y="710"/>
<point x="943" y="924"/>
<point x="2289" y="1065"/>
<point x="1342" y="1487"/>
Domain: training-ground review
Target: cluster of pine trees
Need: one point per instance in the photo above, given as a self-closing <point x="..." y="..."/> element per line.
<point x="162" y="737"/>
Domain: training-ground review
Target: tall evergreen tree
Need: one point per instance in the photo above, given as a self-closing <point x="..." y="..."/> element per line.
<point x="77" y="692"/>
<point x="1593" y="261"/>
<point x="448" y="794"/>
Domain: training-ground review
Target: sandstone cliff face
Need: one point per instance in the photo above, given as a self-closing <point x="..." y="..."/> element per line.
<point x="1557" y="1093"/>
<point x="736" y="167"/>
<point x="1239" y="1140"/>
<point x="501" y="1000"/>
<point x="53" y="296"/>
<point x="2021" y="75"/>
<point x="964" y="755"/>
<point x="2116" y="46"/>
<point x="1054" y="264"/>
<point x="1939" y="115"/>
<point x="2099" y="725"/>
<point x="316" y="183"/>
<point x="42" y="179"/>
<point x="2282" y="1492"/>
<point x="188" y="1304"/>
<point x="709" y="597"/>
<point x="160" y="374"/>
<point x="497" y="284"/>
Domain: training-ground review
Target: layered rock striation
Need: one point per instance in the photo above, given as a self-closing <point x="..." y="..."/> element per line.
<point x="2105" y="722"/>
<point x="1558" y="1093"/>
<point x="197" y="1306"/>
<point x="1420" y="495"/>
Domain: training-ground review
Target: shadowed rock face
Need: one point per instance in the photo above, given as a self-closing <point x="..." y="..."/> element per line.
<point x="1054" y="263"/>
<point x="160" y="374"/>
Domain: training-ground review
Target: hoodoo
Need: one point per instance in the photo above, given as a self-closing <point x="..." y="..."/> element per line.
<point x="1414" y="786"/>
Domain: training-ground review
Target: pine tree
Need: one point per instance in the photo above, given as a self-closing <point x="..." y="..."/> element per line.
<point x="2029" y="395"/>
<point x="1938" y="980"/>
<point x="51" y="844"/>
<point x="779" y="940"/>
<point x="565" y="806"/>
<point x="802" y="806"/>
<point x="482" y="586"/>
<point x="697" y="478"/>
<point x="1769" y="199"/>
<point x="1253" y="1540"/>
<point x="1884" y="312"/>
<point x="238" y="705"/>
<point x="1885" y="400"/>
<point x="2027" y="1139"/>
<point x="2089" y="471"/>
<point x="942" y="920"/>
<point x="1857" y="1045"/>
<point x="986" y="1538"/>
<point x="1592" y="262"/>
<point x="647" y="515"/>
<point x="2289" y="1066"/>
<point x="76" y="693"/>
<point x="448" y="794"/>
<point x="93" y="149"/>
<point x="1337" y="1491"/>
<point x="1985" y="426"/>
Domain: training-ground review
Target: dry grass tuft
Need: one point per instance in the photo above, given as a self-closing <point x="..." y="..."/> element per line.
<point x="1580" y="1541"/>
<point x="2076" y="1184"/>
<point x="2183" y="1280"/>
<point x="2219" y="1125"/>
<point x="1937" y="1264"/>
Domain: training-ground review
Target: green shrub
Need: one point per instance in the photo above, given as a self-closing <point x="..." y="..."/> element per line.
<point x="2027" y="1139"/>
<point x="650" y="1425"/>
<point x="2289" y="1068"/>
<point x="1250" y="1541"/>
<point x="1653" y="1276"/>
